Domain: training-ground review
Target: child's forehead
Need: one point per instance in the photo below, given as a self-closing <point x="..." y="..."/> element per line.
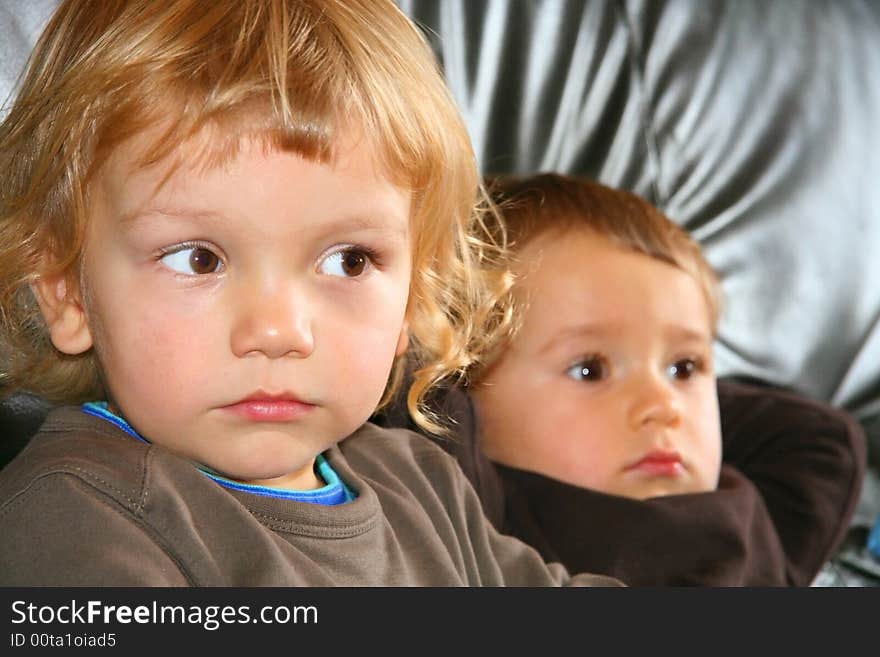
<point x="579" y="276"/>
<point x="257" y="177"/>
<point x="583" y="248"/>
<point x="559" y="248"/>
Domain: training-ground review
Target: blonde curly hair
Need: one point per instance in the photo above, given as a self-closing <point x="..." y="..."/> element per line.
<point x="292" y="73"/>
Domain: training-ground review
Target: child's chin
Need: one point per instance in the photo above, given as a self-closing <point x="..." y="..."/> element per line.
<point x="665" y="489"/>
<point x="270" y="469"/>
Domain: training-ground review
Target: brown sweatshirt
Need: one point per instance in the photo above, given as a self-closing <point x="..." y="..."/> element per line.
<point x="86" y="504"/>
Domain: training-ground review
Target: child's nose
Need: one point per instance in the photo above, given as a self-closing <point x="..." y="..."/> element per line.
<point x="273" y="324"/>
<point x="653" y="401"/>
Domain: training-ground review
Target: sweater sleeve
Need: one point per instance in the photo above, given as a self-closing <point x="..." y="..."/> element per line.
<point x="807" y="460"/>
<point x="60" y="531"/>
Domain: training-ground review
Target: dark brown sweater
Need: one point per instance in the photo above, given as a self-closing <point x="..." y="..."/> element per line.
<point x="86" y="504"/>
<point x="790" y="481"/>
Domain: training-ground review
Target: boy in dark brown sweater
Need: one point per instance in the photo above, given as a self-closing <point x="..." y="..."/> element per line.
<point x="600" y="418"/>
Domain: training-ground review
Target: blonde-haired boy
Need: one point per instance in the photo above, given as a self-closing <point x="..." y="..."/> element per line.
<point x="221" y="227"/>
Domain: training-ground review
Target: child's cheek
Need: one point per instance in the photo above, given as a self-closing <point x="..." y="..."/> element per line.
<point x="153" y="355"/>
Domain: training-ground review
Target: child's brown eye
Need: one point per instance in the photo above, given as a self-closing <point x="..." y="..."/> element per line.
<point x="192" y="260"/>
<point x="203" y="261"/>
<point x="353" y="263"/>
<point x="683" y="369"/>
<point x="590" y="369"/>
<point x="346" y="263"/>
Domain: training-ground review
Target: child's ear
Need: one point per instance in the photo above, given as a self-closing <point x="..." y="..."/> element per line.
<point x="64" y="314"/>
<point x="402" y="340"/>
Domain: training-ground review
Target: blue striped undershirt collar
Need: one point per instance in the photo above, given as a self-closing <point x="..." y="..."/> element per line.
<point x="334" y="492"/>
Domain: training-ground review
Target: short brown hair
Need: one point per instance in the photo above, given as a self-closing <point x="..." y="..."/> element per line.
<point x="552" y="202"/>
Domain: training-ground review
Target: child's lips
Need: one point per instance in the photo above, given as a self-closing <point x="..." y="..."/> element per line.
<point x="659" y="463"/>
<point x="265" y="407"/>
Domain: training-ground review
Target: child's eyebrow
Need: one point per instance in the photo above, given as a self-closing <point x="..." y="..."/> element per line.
<point x="140" y="214"/>
<point x="687" y="334"/>
<point x="579" y="331"/>
<point x="369" y="222"/>
<point x="374" y="221"/>
<point x="675" y="332"/>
